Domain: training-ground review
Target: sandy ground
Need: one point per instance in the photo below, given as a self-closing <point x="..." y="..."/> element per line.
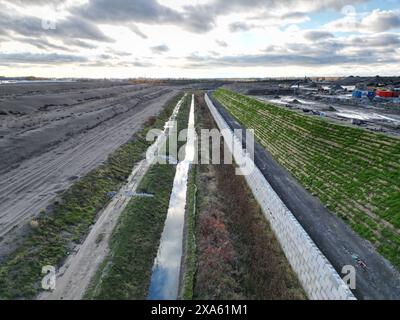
<point x="331" y="235"/>
<point x="45" y="149"/>
<point x="74" y="277"/>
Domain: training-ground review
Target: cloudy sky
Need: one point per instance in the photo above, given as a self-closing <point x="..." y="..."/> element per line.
<point x="203" y="38"/>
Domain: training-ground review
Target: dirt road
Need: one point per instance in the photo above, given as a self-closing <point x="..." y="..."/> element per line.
<point x="44" y="151"/>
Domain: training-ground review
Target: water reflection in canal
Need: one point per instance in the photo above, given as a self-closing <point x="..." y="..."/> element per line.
<point x="164" y="284"/>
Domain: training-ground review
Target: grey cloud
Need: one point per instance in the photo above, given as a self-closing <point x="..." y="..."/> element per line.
<point x="147" y="11"/>
<point x="239" y="27"/>
<point x="375" y="21"/>
<point x="42" y="43"/>
<point x="160" y="49"/>
<point x="208" y="13"/>
<point x="14" y="23"/>
<point x="317" y="49"/>
<point x="79" y="43"/>
<point x="194" y="18"/>
<point x="383" y="40"/>
<point x="34" y="2"/>
<point x="197" y="19"/>
<point x="283" y="19"/>
<point x="117" y="64"/>
<point x="3" y="32"/>
<point x="71" y="28"/>
<point x="380" y="21"/>
<point x="81" y="29"/>
<point x="141" y="64"/>
<point x="333" y="4"/>
<point x="118" y="53"/>
<point x="279" y="59"/>
<point x="126" y="12"/>
<point x="315" y="35"/>
<point x="269" y="49"/>
<point x="214" y="53"/>
<point x="106" y="56"/>
<point x="329" y="51"/>
<point x="138" y="32"/>
<point x="328" y="45"/>
<point x="97" y="63"/>
<point x="39" y="58"/>
<point x="221" y="43"/>
<point x="294" y="15"/>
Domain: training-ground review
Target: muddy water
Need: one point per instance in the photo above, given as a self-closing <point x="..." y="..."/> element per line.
<point x="166" y="270"/>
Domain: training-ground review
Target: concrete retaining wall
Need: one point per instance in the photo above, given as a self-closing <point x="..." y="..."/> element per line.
<point x="317" y="276"/>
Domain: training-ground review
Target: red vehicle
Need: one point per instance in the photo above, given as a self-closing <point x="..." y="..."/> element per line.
<point x="387" y="94"/>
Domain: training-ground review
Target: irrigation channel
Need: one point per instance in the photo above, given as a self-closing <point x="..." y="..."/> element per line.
<point x="164" y="284"/>
<point x="74" y="277"/>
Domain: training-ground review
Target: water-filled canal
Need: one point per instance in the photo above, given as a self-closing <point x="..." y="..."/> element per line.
<point x="164" y="284"/>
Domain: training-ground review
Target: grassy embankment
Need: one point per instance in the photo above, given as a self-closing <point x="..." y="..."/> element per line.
<point x="190" y="240"/>
<point x="236" y="255"/>
<point x="58" y="231"/>
<point x="126" y="272"/>
<point x="355" y="173"/>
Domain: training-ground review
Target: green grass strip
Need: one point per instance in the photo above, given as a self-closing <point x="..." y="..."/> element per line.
<point x="134" y="244"/>
<point x="190" y="263"/>
<point x="354" y="172"/>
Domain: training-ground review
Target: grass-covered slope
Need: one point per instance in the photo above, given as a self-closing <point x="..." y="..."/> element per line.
<point x="126" y="273"/>
<point x="355" y="173"/>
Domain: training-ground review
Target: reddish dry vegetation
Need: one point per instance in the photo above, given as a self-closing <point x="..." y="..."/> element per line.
<point x="267" y="273"/>
<point x="238" y="254"/>
<point x="218" y="276"/>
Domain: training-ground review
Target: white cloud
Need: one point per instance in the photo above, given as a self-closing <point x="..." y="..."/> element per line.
<point x="375" y="21"/>
<point x="379" y="21"/>
<point x="207" y="37"/>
